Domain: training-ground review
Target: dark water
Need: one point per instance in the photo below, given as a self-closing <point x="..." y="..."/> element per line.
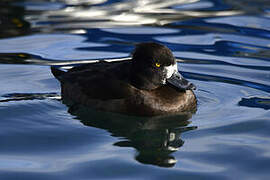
<point x="225" y="50"/>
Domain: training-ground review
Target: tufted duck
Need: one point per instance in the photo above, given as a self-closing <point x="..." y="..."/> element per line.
<point x="149" y="84"/>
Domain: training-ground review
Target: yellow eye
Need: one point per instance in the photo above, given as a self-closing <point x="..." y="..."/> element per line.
<point x="157" y="64"/>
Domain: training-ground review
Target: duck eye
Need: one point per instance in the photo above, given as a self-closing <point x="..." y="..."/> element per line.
<point x="158" y="64"/>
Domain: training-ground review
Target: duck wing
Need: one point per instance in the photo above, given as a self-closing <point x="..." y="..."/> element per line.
<point x="102" y="80"/>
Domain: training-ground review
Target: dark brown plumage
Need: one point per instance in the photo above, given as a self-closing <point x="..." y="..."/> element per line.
<point x="109" y="86"/>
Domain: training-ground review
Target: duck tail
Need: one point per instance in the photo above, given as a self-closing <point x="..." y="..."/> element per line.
<point x="57" y="72"/>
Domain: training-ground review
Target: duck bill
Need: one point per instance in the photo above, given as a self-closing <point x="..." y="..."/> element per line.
<point x="180" y="83"/>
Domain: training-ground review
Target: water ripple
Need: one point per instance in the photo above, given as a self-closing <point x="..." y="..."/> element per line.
<point x="228" y="80"/>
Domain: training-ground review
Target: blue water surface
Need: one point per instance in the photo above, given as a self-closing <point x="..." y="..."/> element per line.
<point x="223" y="46"/>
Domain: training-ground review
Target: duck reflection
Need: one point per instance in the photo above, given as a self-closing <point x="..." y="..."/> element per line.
<point x="154" y="138"/>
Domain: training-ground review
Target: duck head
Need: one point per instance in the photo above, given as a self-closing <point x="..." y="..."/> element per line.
<point x="153" y="66"/>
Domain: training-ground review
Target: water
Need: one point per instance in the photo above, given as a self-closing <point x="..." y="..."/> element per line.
<point x="224" y="48"/>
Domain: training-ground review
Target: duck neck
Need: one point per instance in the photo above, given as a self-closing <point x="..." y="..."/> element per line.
<point x="141" y="81"/>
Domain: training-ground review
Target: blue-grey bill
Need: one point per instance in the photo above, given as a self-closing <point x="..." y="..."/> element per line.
<point x="179" y="82"/>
